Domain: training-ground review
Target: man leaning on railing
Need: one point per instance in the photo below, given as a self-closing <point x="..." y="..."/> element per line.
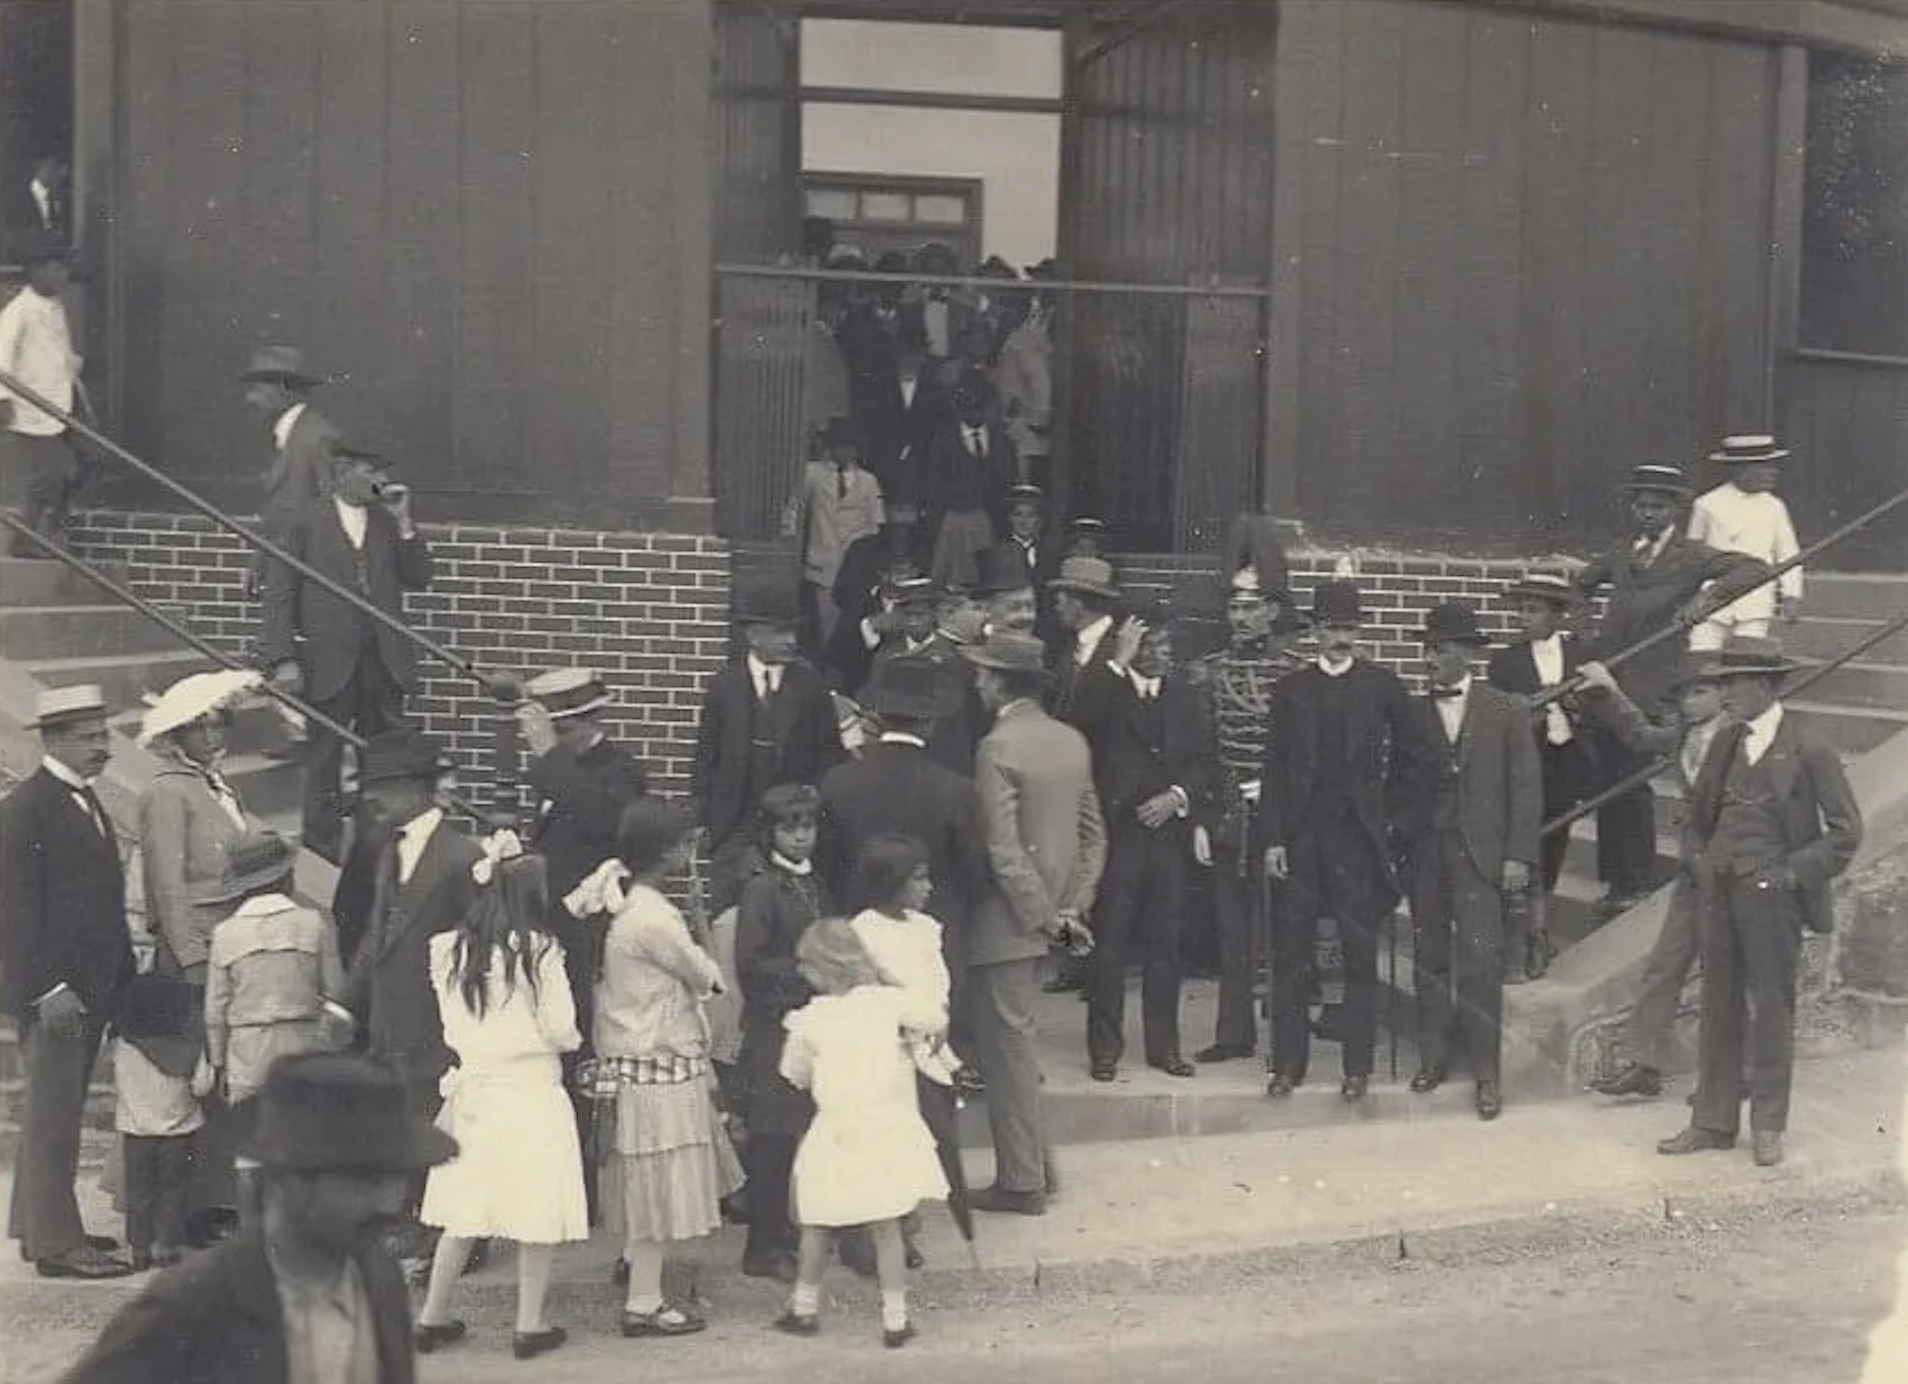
<point x="355" y="669"/>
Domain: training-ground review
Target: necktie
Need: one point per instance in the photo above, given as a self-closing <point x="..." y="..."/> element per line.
<point x="91" y="802"/>
<point x="841" y="482"/>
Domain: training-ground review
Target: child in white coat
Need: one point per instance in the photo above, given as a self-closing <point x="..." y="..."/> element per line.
<point x="1745" y="515"/>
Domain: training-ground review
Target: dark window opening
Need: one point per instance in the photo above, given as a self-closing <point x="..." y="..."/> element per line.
<point x="1855" y="229"/>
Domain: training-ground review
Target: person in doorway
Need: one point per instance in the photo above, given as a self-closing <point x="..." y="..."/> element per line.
<point x="1028" y="542"/>
<point x="1237" y="684"/>
<point x="1024" y="376"/>
<point x="1745" y="515"/>
<point x="42" y="205"/>
<point x="1084" y="601"/>
<point x="1659" y="580"/>
<point x="1773" y="822"/>
<point x="36" y="348"/>
<point x="1345" y="757"/>
<point x="836" y="503"/>
<point x="969" y="467"/>
<point x="278" y="390"/>
<point x="66" y="958"/>
<point x="904" y="407"/>
<point x="1546" y="658"/>
<point x="1474" y="844"/>
<point x="308" y="1294"/>
<point x="1089" y="537"/>
<point x="354" y="668"/>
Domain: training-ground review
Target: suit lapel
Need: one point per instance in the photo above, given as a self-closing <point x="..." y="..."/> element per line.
<point x="85" y="829"/>
<point x="1781" y="761"/>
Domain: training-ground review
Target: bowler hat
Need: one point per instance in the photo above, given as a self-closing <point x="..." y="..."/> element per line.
<point x="58" y="706"/>
<point x="1657" y="478"/>
<point x="1001" y="568"/>
<point x="279" y="365"/>
<point x="321" y="1111"/>
<point x="1453" y="622"/>
<point x="651" y="827"/>
<point x="767" y="597"/>
<point x="1009" y="651"/>
<point x="253" y="861"/>
<point x="1091" y="576"/>
<point x="1754" y="447"/>
<point x="1335" y="601"/>
<point x="403" y="753"/>
<point x="1553" y="587"/>
<point x="565" y="692"/>
<point x="910" y="689"/>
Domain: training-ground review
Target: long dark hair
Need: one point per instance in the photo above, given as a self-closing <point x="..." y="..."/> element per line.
<point x="883" y="867"/>
<point x="508" y="916"/>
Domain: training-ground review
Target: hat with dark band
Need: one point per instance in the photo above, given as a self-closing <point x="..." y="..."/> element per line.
<point x="1026" y="493"/>
<point x="915" y="589"/>
<point x="395" y="755"/>
<point x="59" y="706"/>
<point x="764" y="597"/>
<point x="253" y="861"/>
<point x="910" y="689"/>
<point x="568" y="692"/>
<point x="1091" y="576"/>
<point x="1553" y="587"/>
<point x="1749" y="656"/>
<point x="321" y="1111"/>
<point x="1087" y="524"/>
<point x="1656" y="478"/>
<point x="1453" y="622"/>
<point x="1336" y="601"/>
<point x="1748" y="448"/>
<point x="1009" y="651"/>
<point x="1002" y="569"/>
<point x="279" y="365"/>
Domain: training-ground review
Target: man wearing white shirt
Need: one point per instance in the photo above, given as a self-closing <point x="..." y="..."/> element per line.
<point x="36" y="347"/>
<point x="278" y="389"/>
<point x="1084" y="599"/>
<point x="1745" y="515"/>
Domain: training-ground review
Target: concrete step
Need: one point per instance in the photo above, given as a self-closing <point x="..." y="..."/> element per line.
<point x="123" y="678"/>
<point x="1861" y="684"/>
<point x="80" y="631"/>
<point x="1819" y="639"/>
<point x="1860" y="595"/>
<point x="1851" y="730"/>
<point x="44" y="582"/>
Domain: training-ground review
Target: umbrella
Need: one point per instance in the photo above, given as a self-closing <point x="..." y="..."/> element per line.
<point x="940" y="1111"/>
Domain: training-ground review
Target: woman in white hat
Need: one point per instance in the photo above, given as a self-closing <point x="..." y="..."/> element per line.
<point x="189" y="821"/>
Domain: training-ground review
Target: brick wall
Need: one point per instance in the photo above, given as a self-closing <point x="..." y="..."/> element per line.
<point x="649" y="610"/>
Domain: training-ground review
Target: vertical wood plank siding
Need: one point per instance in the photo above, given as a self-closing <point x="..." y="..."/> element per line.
<point x="1534" y="253"/>
<point x="467" y="212"/>
<point x="1849" y="427"/>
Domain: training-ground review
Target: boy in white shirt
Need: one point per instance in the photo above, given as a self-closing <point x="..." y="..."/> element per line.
<point x="1745" y="515"/>
<point x="36" y="348"/>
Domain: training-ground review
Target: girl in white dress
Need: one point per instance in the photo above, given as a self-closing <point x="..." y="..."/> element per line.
<point x="508" y="1014"/>
<point x="868" y="1158"/>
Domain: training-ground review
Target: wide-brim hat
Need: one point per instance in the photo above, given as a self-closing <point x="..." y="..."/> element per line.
<point x="60" y="706"/>
<point x="326" y="1111"/>
<point x="279" y="365"/>
<point x="253" y="861"/>
<point x="765" y="597"/>
<point x="1657" y="478"/>
<point x="1748" y="448"/>
<point x="1092" y="576"/>
<point x="915" y="589"/>
<point x="1750" y="656"/>
<point x="399" y="754"/>
<point x="964" y="628"/>
<point x="1008" y="651"/>
<point x="1453" y="622"/>
<point x="650" y="828"/>
<point x="1694" y="668"/>
<point x="1001" y="568"/>
<point x="1553" y="587"/>
<point x="910" y="689"/>
<point x="194" y="697"/>
<point x="564" y="692"/>
<point x="1336" y="601"/>
<point x="370" y="456"/>
<point x="1026" y="493"/>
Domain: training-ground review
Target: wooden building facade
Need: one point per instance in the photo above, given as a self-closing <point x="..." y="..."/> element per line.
<point x="1502" y="249"/>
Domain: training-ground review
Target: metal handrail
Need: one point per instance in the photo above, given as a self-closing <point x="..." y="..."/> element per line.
<point x="1631" y="782"/>
<point x="183" y="632"/>
<point x="1677" y="627"/>
<point x="502" y="686"/>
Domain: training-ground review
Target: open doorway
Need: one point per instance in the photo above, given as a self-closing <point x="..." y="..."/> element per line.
<point x="36" y="120"/>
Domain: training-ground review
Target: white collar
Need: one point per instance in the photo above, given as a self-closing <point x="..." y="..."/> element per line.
<point x="1087" y="641"/>
<point x="1335" y="670"/>
<point x="1553" y="640"/>
<point x="264" y="905"/>
<point x="1762" y="728"/>
<point x="1463" y="690"/>
<point x="1143" y="684"/>
<point x="763" y="674"/>
<point x="896" y="737"/>
<point x="65" y="775"/>
<point x="422" y="825"/>
<point x="281" y="430"/>
<point x="793" y="867"/>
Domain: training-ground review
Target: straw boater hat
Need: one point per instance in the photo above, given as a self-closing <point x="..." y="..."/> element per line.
<point x="1748" y="448"/>
<point x="1092" y="576"/>
<point x="1087" y="524"/>
<point x="564" y="692"/>
<point x="1026" y="493"/>
<point x="280" y="365"/>
<point x="194" y="697"/>
<point x="253" y="861"/>
<point x="1553" y="587"/>
<point x="1454" y="622"/>
<point x="1656" y="478"/>
<point x="322" y="1111"/>
<point x="915" y="589"/>
<point x="59" y="706"/>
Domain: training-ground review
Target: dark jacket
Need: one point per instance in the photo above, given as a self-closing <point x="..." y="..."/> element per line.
<point x="389" y="986"/>
<point x="776" y="909"/>
<point x="1141" y="749"/>
<point x="216" y="1319"/>
<point x="1500" y="794"/>
<point x="743" y="750"/>
<point x="1381" y="761"/>
<point x="954" y="480"/>
<point x="952" y="737"/>
<point x="1514" y="670"/>
<point x="895" y="436"/>
<point x="293" y="483"/>
<point x="334" y="631"/>
<point x="62" y="901"/>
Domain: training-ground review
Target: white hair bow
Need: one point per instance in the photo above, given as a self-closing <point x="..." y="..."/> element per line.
<point x="499" y="846"/>
<point x="600" y="892"/>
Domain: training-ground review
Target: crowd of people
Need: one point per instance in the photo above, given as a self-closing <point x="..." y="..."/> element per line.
<point x="955" y="763"/>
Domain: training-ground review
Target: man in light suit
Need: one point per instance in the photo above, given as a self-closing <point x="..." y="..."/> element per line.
<point x="1474" y="841"/>
<point x="1046" y="843"/>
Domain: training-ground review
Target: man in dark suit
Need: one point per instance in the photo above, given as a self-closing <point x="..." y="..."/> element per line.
<point x="767" y="718"/>
<point x="1084" y="601"/>
<point x="278" y="390"/>
<point x="969" y="467"/>
<point x="915" y="637"/>
<point x="897" y="786"/>
<point x="1656" y="581"/>
<point x="1037" y="553"/>
<point x="41" y="205"/>
<point x="1344" y="760"/>
<point x="864" y="598"/>
<point x="1144" y="725"/>
<point x="1773" y="822"/>
<point x="65" y="960"/>
<point x="902" y="408"/>
<point x="1474" y="842"/>
<point x="1546" y="658"/>
<point x="338" y="1146"/>
<point x="353" y="668"/>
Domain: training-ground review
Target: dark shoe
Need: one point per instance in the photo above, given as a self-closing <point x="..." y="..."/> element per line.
<point x="1428" y="1080"/>
<point x="1103" y="1071"/>
<point x="165" y="1256"/>
<point x="1489" y="1103"/>
<point x="105" y="1244"/>
<point x="619" y="1272"/>
<point x="1175" y="1066"/>
<point x="427" y="1338"/>
<point x="969" y="1082"/>
<point x="1223" y="1052"/>
<point x="664" y="1321"/>
<point x="1694" y="1140"/>
<point x="1280" y="1086"/>
<point x="798" y="1324"/>
<point x="1636" y="1079"/>
<point x="1003" y="1201"/>
<point x="1353" y="1088"/>
<point x="1767" y="1144"/>
<point x="778" y="1266"/>
<point x="894" y="1340"/>
<point x="85" y="1262"/>
<point x="527" y="1345"/>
